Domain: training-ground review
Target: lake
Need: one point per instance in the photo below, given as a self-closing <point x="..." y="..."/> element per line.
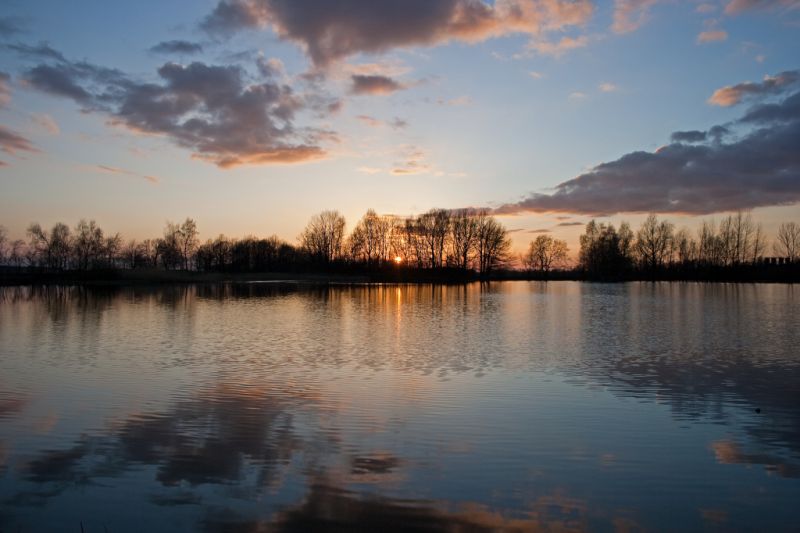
<point x="514" y="406"/>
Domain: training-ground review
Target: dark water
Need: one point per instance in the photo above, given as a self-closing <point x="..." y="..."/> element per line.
<point x="511" y="406"/>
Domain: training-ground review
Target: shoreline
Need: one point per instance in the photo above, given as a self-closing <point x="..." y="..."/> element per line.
<point x="175" y="277"/>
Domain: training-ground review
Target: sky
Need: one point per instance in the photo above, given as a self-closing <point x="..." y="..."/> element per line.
<point x="250" y="116"/>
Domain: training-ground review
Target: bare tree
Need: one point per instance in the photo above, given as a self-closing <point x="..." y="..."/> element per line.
<point x="463" y="236"/>
<point x="434" y="227"/>
<point x="685" y="246"/>
<point x="787" y="243"/>
<point x="653" y="242"/>
<point x="188" y="241"/>
<point x="131" y="254"/>
<point x="169" y="248"/>
<point x="493" y="243"/>
<point x="51" y="249"/>
<point x="371" y="238"/>
<point x="88" y="244"/>
<point x="324" y="235"/>
<point x="759" y="244"/>
<point x="545" y="253"/>
<point x="18" y="252"/>
<point x="3" y="244"/>
<point x="111" y="248"/>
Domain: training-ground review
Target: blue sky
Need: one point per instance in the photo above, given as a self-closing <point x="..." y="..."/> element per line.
<point x="453" y="112"/>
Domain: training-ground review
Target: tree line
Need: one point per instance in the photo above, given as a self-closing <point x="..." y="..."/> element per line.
<point x="440" y="240"/>
<point x="469" y="240"/>
<point x="657" y="248"/>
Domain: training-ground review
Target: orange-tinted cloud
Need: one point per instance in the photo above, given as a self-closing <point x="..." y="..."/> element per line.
<point x="712" y="36"/>
<point x="329" y="31"/>
<point x="629" y="15"/>
<point x="375" y="85"/>
<point x="215" y="111"/>
<point x="558" y="48"/>
<point x="698" y="173"/>
<point x="105" y="169"/>
<point x="739" y="6"/>
<point x="5" y="89"/>
<point x="11" y="142"/>
<point x="733" y="94"/>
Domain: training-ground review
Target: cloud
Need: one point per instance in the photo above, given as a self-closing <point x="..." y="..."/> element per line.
<point x="177" y="47"/>
<point x="375" y="85"/>
<point x="536" y="75"/>
<point x="46" y="123"/>
<point x="733" y="94"/>
<point x="692" y="136"/>
<point x="413" y="160"/>
<point x="10" y="26"/>
<point x="212" y="110"/>
<point x="458" y="101"/>
<point x="370" y="170"/>
<point x="370" y="121"/>
<point x="761" y="167"/>
<point x="577" y="95"/>
<point x="105" y="169"/>
<point x="11" y="142"/>
<point x="329" y="31"/>
<point x="629" y="15"/>
<point x="558" y="48"/>
<point x="40" y="51"/>
<point x="5" y="89"/>
<point x="739" y="6"/>
<point x="706" y="8"/>
<point x="607" y="87"/>
<point x="396" y="123"/>
<point x="540" y="231"/>
<point x="711" y="36"/>
<point x="569" y="224"/>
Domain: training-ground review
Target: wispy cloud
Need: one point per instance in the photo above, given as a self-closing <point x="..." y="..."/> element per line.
<point x="458" y="101"/>
<point x="739" y="6"/>
<point x="106" y="169"/>
<point x="558" y="48"/>
<point x="46" y="123"/>
<point x="5" y="89"/>
<point x="607" y="87"/>
<point x="733" y="94"/>
<point x="10" y="26"/>
<point x="12" y="143"/>
<point x="712" y="36"/>
<point x="177" y="47"/>
<point x="630" y="15"/>
<point x="375" y="85"/>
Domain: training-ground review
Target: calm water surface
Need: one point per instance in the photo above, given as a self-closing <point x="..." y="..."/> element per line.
<point x="513" y="406"/>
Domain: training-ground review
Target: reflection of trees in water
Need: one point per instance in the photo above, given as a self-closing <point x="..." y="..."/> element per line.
<point x="698" y="348"/>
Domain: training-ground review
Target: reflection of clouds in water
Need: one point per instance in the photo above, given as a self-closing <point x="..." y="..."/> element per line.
<point x="11" y="405"/>
<point x="328" y="390"/>
<point x="729" y="453"/>
<point x="228" y="434"/>
<point x="330" y="508"/>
